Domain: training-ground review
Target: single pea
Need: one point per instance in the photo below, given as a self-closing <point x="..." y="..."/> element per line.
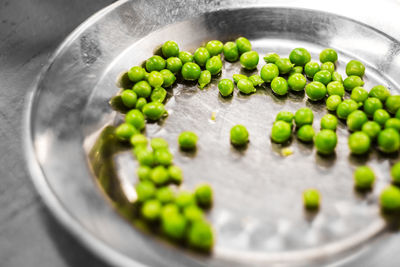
<point x="388" y="140"/>
<point x="329" y="122"/>
<point x="398" y="114"/>
<point x="325" y="142"/>
<point x="170" y="49"/>
<point x="142" y="89"/>
<point x="306" y="133"/>
<point x="174" y="64"/>
<point x="380" y="92"/>
<point x="169" y="78"/>
<point x="231" y="52"/>
<point x="311" y="199"/>
<point x="184" y="199"/>
<point x="193" y="213"/>
<point x="303" y="116"/>
<point x="315" y="91"/>
<point x="163" y="157"/>
<point x="136" y="74"/>
<point x="371" y="105"/>
<point x="187" y="140"/>
<point x="271" y="57"/>
<point x="323" y="76"/>
<point x="249" y="60"/>
<point x="299" y="56"/>
<point x="175" y="174"/>
<point x="154" y="110"/>
<point x="372" y="129"/>
<point x="281" y="132"/>
<point x="200" y="236"/>
<point x="381" y="116"/>
<point x="390" y="199"/>
<point x="345" y="108"/>
<point x="204" y="195"/>
<point x="355" y="67"/>
<point x="328" y="55"/>
<point x="225" y="87"/>
<point x="329" y="66"/>
<point x="145" y="157"/>
<point x="141" y="102"/>
<point x="395" y="173"/>
<point x="165" y="195"/>
<point x="143" y="173"/>
<point x="139" y="149"/>
<point x="158" y="143"/>
<point x="204" y="79"/>
<point x="145" y="190"/>
<point x="135" y="118"/>
<point x="284" y="65"/>
<point x="392" y="103"/>
<point x="285" y="116"/>
<point x="256" y="80"/>
<point x="337" y="77"/>
<point x="155" y="63"/>
<point x="155" y="79"/>
<point x="269" y="72"/>
<point x="214" y="47"/>
<point x="297" y="69"/>
<point x="245" y="86"/>
<point x="352" y="82"/>
<point x="393" y="123"/>
<point x="243" y="45"/>
<point x="159" y="175"/>
<point x="280" y="86"/>
<point x="359" y="94"/>
<point x="356" y="120"/>
<point x="124" y="131"/>
<point x="158" y="95"/>
<point x="169" y="209"/>
<point x="191" y="71"/>
<point x="359" y="143"/>
<point x="201" y="55"/>
<point x="174" y="226"/>
<point x="151" y="210"/>
<point x="129" y="98"/>
<point x="297" y="82"/>
<point x="335" y="88"/>
<point x="239" y="135"/>
<point x="185" y="57"/>
<point x="237" y="77"/>
<point x="333" y="102"/>
<point x="311" y="68"/>
<point x="364" y="177"/>
<point x="138" y="140"/>
<point x="214" y="65"/>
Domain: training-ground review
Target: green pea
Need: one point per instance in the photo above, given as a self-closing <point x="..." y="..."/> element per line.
<point x="138" y="140"/>
<point x="238" y="77"/>
<point x="185" y="57"/>
<point x="145" y="157"/>
<point x="135" y="118"/>
<point x="372" y="129"/>
<point x="231" y="52"/>
<point x="154" y="110"/>
<point x="245" y="86"/>
<point x="175" y="174"/>
<point x="315" y="91"/>
<point x="155" y="79"/>
<point x="392" y="103"/>
<point x="269" y="72"/>
<point x="325" y="142"/>
<point x="393" y="123"/>
<point x="170" y="49"/>
<point x="193" y="213"/>
<point x="169" y="78"/>
<point x="381" y="116"/>
<point x="306" y="133"/>
<point x="165" y="195"/>
<point x="328" y="55"/>
<point x="158" y="143"/>
<point x="323" y="76"/>
<point x="214" y="47"/>
<point x="184" y="199"/>
<point x="142" y="89"/>
<point x="146" y="75"/>
<point x="359" y="143"/>
<point x="329" y="66"/>
<point x="390" y="199"/>
<point x="129" y="98"/>
<point x="169" y="209"/>
<point x="243" y="45"/>
<point x="204" y="195"/>
<point x="151" y="210"/>
<point x="311" y="199"/>
<point x="388" y="140"/>
<point x="201" y="55"/>
<point x="364" y="177"/>
<point x="297" y="82"/>
<point x="335" y="88"/>
<point x="356" y="120"/>
<point x="333" y="102"/>
<point x="143" y="173"/>
<point x="214" y="65"/>
<point x="297" y="69"/>
<point x="155" y="63"/>
<point x="159" y="175"/>
<point x="352" y="82"/>
<point x="359" y="94"/>
<point x="380" y="92"/>
<point x="174" y="226"/>
<point x="145" y="190"/>
<point x="187" y="140"/>
<point x="204" y="79"/>
<point x="397" y="115"/>
<point x="329" y="122"/>
<point x="141" y="102"/>
<point x="303" y="116"/>
<point x="371" y="105"/>
<point x="279" y="85"/>
<point x="124" y="131"/>
<point x="395" y="173"/>
<point x="281" y="132"/>
<point x="163" y="157"/>
<point x="271" y="57"/>
<point x="191" y="71"/>
<point x="174" y="64"/>
<point x="355" y="67"/>
<point x="345" y="108"/>
<point x="299" y="56"/>
<point x="225" y="87"/>
<point x="311" y="68"/>
<point x="337" y="77"/>
<point x="256" y="80"/>
<point x="239" y="135"/>
<point x="285" y="116"/>
<point x="284" y="65"/>
<point x="249" y="60"/>
<point x="200" y="236"/>
<point x="136" y="74"/>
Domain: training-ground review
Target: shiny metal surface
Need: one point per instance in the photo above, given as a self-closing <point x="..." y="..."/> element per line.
<point x="258" y="211"/>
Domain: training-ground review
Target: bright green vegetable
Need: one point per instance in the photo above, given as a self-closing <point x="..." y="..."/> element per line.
<point x="155" y="63"/>
<point x="335" y="88"/>
<point x="345" y="108"/>
<point x="245" y="86"/>
<point x="333" y="102"/>
<point x="214" y="65"/>
<point x="249" y="60"/>
<point x="151" y="210"/>
<point x="328" y="55"/>
<point x="352" y="82"/>
<point x="201" y="55"/>
<point x="231" y="52"/>
<point x="285" y="116"/>
<point x="158" y="143"/>
<point x="158" y="95"/>
<point x="142" y="89"/>
<point x="159" y="175"/>
<point x="204" y="195"/>
<point x="135" y="118"/>
<point x="136" y="74"/>
<point x="393" y="123"/>
<point x="359" y="94"/>
<point x="184" y="199"/>
<point x="299" y="56"/>
<point x="303" y="116"/>
<point x="175" y="174"/>
<point x="124" y="131"/>
<point x="388" y="140"/>
<point x="256" y="80"/>
<point x="170" y="49"/>
<point x="364" y="177"/>
<point x="380" y="92"/>
<point x="155" y="79"/>
<point x="284" y="65"/>
<point x="214" y="47"/>
<point x="297" y="82"/>
<point x="187" y="140"/>
<point x="392" y="103"/>
<point x="141" y="102"/>
<point x="185" y="57"/>
<point x="165" y="195"/>
<point x="201" y="236"/>
<point x="306" y="133"/>
<point x="337" y="77"/>
<point x="243" y="45"/>
<point x="269" y="72"/>
<point x="329" y="66"/>
<point x="204" y="79"/>
<point x="390" y="199"/>
<point x="193" y="213"/>
<point x="163" y="157"/>
<point x="323" y="76"/>
<point x="169" y="77"/>
<point x="154" y="110"/>
<point x="129" y="98"/>
<point x="239" y="135"/>
<point x="143" y="173"/>
<point x="329" y="122"/>
<point x="359" y="143"/>
<point x="297" y="69"/>
<point x="311" y="199"/>
<point x="174" y="225"/>
<point x="315" y="90"/>
<point x="238" y="77"/>
<point x="371" y="105"/>
<point x="355" y="67"/>
<point x="174" y="64"/>
<point x="191" y="71"/>
<point x="279" y="85"/>
<point x="381" y="116"/>
<point x="356" y="120"/>
<point x="395" y="173"/>
<point x="325" y="142"/>
<point x="138" y="140"/>
<point x="225" y="87"/>
<point x="145" y="190"/>
<point x="311" y="68"/>
<point x="281" y="132"/>
<point x="372" y="129"/>
<point x="145" y="157"/>
<point x="271" y="57"/>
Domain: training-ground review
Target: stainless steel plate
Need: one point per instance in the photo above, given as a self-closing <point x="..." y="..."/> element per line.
<point x="258" y="213"/>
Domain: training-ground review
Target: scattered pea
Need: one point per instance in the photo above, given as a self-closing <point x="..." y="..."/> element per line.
<point x="191" y="71"/>
<point x="145" y="157"/>
<point x="306" y="133"/>
<point x="201" y="235"/>
<point x="323" y="76"/>
<point x="285" y="116"/>
<point x="238" y="77"/>
<point x="193" y="213"/>
<point x="138" y="140"/>
<point x="159" y="175"/>
<point x="271" y="57"/>
<point x="129" y="98"/>
<point x="364" y="177"/>
<point x="359" y="143"/>
<point x="184" y="199"/>
<point x="333" y="102"/>
<point x="165" y="195"/>
<point x="284" y="65"/>
<point x="392" y="103"/>
<point x="201" y="55"/>
<point x="315" y="90"/>
<point x="143" y="173"/>
<point x="279" y="85"/>
<point x="329" y="122"/>
<point x="245" y="86"/>
<point x="395" y="173"/>
<point x="355" y="67"/>
<point x="145" y="190"/>
<point x="390" y="199"/>
<point x="175" y="174"/>
<point x="170" y="49"/>
<point x="204" y="79"/>
<point x="256" y="80"/>
<point x="388" y="140"/>
<point x="243" y="45"/>
<point x="380" y="92"/>
<point x="311" y="199"/>
<point x="136" y="74"/>
<point x="297" y="69"/>
<point x="249" y="60"/>
<point x="151" y="210"/>
<point x="187" y="140"/>
<point x="269" y="72"/>
<point x="281" y="132"/>
<point x="135" y="118"/>
<point x="297" y="82"/>
<point x="335" y="88"/>
<point x="174" y="64"/>
<point x="359" y="94"/>
<point x="155" y="63"/>
<point x="204" y="195"/>
<point x="337" y="77"/>
<point x="299" y="56"/>
<point x="328" y="55"/>
<point x="169" y="78"/>
<point x="163" y="157"/>
<point x="371" y="105"/>
<point x="345" y="108"/>
<point x="174" y="225"/>
<point x="231" y="52"/>
<point x="325" y="142"/>
<point x="356" y="120"/>
<point x="329" y="66"/>
<point x="158" y="95"/>
<point x="393" y="123"/>
<point x="311" y="68"/>
<point x="372" y="129"/>
<point x="141" y="102"/>
<point x="225" y="87"/>
<point x="303" y="116"/>
<point x="352" y="82"/>
<point x="185" y="57"/>
<point x="154" y="110"/>
<point x="381" y="116"/>
<point x="214" y="65"/>
<point x="142" y="89"/>
<point x="124" y="131"/>
<point x="214" y="47"/>
<point x="239" y="135"/>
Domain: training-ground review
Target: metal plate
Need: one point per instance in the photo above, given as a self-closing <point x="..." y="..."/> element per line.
<point x="258" y="213"/>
